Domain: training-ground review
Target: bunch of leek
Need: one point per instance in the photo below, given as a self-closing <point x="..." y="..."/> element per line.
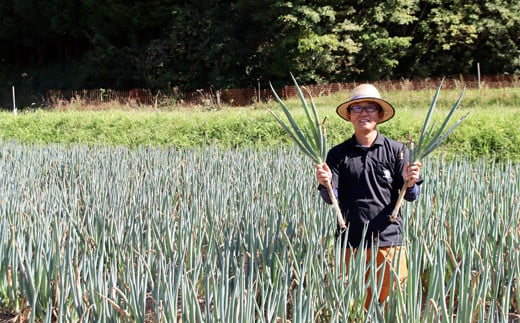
<point x="312" y="140"/>
<point x="429" y="140"/>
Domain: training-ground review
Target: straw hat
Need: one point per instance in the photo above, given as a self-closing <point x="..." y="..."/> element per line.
<point x="366" y="92"/>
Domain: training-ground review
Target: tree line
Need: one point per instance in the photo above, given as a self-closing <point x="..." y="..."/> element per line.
<point x="163" y="44"/>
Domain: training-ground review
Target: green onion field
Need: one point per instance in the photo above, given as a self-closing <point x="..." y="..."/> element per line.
<point x="212" y="216"/>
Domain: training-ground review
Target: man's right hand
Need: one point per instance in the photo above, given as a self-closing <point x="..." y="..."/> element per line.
<point x="323" y="174"/>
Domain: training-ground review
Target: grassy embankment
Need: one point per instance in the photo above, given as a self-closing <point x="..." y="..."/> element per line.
<point x="491" y="130"/>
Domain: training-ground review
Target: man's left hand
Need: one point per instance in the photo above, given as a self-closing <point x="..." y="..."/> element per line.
<point x="411" y="173"/>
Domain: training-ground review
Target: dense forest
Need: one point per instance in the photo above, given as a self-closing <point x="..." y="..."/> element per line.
<point x="162" y="44"/>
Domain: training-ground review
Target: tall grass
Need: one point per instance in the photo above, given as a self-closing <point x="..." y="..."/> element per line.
<point x="211" y="234"/>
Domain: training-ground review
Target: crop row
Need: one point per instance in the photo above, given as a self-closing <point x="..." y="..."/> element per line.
<point x="211" y="234"/>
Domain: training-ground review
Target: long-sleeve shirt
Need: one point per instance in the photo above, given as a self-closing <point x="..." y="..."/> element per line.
<point x="368" y="181"/>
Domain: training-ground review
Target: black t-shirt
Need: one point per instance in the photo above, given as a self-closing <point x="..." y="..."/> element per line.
<point x="368" y="181"/>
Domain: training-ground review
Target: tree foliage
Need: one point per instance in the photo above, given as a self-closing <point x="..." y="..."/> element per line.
<point x="196" y="44"/>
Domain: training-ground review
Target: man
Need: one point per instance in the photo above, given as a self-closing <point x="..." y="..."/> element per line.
<point x="367" y="172"/>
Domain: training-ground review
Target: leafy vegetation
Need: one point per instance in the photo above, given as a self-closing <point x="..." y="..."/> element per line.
<point x="431" y="138"/>
<point x="207" y="234"/>
<point x="491" y="130"/>
<point x="310" y="138"/>
<point x="161" y="44"/>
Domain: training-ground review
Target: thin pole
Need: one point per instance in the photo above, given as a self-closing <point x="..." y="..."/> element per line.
<point x="14" y="102"/>
<point x="478" y="73"/>
<point x="259" y="98"/>
<point x="479" y="90"/>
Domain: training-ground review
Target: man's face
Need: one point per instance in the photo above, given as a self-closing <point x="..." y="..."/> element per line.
<point x="365" y="115"/>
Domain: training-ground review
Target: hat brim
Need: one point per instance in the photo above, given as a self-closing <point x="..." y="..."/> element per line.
<point x="342" y="109"/>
